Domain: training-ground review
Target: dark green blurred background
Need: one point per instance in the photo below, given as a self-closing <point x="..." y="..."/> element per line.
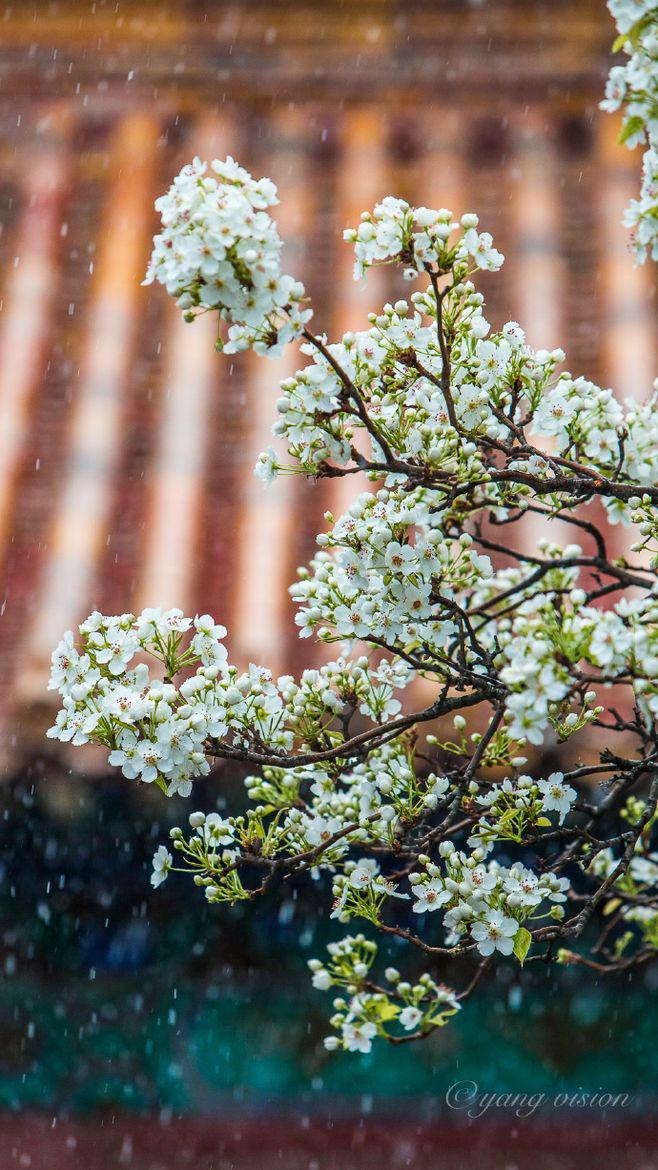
<point x="117" y="998"/>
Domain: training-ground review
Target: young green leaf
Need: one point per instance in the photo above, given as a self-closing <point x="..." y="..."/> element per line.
<point x="522" y="940"/>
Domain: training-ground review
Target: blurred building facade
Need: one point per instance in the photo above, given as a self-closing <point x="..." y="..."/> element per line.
<point x="127" y="442"/>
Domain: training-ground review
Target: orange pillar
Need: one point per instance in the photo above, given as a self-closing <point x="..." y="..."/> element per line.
<point x="363" y="181"/>
<point x="25" y="319"/>
<point x="94" y="439"/>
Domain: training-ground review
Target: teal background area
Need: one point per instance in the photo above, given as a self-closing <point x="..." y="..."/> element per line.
<point x="136" y="1043"/>
<point x="118" y="997"/>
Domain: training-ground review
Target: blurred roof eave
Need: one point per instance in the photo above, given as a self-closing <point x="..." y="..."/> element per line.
<point x="372" y="47"/>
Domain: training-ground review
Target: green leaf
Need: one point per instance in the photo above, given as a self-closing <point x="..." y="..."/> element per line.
<point x="622" y="943"/>
<point x="388" y="1011"/>
<point x="506" y="817"/>
<point x="634" y="33"/>
<point x="522" y="940"/>
<point x="630" y="128"/>
<point x="544" y="822"/>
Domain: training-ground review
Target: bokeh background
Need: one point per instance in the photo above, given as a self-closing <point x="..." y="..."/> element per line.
<point x="145" y="1030"/>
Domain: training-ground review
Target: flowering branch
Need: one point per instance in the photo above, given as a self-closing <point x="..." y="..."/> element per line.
<point x="410" y="811"/>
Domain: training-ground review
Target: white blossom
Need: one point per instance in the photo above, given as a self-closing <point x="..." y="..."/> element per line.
<point x="495" y="932"/>
<point x="162" y="862"/>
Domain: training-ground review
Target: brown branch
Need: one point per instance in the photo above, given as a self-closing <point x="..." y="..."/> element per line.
<point x="348" y="748"/>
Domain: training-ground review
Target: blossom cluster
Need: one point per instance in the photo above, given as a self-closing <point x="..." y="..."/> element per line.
<point x="550" y="638"/>
<point x="371" y="1010"/>
<point x="219" y="249"/>
<point x="633" y="87"/>
<point x="484" y="900"/>
<point x="511" y="808"/>
<point x="156" y="730"/>
<point x="419" y="238"/>
<point x="366" y="583"/>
